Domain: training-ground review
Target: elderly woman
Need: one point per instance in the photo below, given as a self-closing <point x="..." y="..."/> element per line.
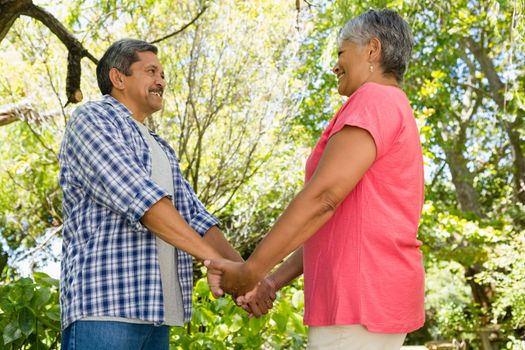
<point x="354" y="225"/>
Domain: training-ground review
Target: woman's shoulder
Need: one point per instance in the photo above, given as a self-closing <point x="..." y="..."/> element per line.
<point x="376" y="98"/>
<point x="382" y="106"/>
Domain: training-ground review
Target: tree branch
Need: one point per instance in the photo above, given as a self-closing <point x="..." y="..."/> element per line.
<point x="487" y="67"/>
<point x="496" y="87"/>
<point x="50" y="21"/>
<point x="76" y="51"/>
<point x="22" y="111"/>
<point x="12" y="9"/>
<point x="182" y="28"/>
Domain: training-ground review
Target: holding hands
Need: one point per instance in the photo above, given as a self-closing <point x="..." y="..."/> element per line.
<point x="254" y="295"/>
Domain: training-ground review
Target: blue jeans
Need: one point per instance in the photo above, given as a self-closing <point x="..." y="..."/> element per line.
<point x="104" y="335"/>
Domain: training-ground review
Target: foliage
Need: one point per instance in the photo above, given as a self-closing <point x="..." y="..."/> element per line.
<point x="30" y="318"/>
<point x="30" y="314"/>
<point x="220" y="324"/>
<point x="29" y="176"/>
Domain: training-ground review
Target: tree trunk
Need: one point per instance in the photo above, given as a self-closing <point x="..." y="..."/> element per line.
<point x="482" y="295"/>
<point x="466" y="194"/>
<point x="468" y="201"/>
<point x="497" y="89"/>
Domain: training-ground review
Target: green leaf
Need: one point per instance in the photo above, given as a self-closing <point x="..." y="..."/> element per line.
<point x="237" y="322"/>
<point x="54" y="313"/>
<point x="22" y="292"/>
<point x="298" y="299"/>
<point x="11" y="332"/>
<point x="41" y="297"/>
<point x="26" y="320"/>
<point x="281" y="319"/>
<point x="7" y="306"/>
<point x="201" y="288"/>
<point x="222" y="303"/>
<point x="43" y="279"/>
<point x="3" y="260"/>
<point x="199" y="317"/>
<point x="48" y="323"/>
<point x="240" y="340"/>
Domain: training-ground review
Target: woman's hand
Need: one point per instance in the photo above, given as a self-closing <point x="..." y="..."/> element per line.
<point x="259" y="300"/>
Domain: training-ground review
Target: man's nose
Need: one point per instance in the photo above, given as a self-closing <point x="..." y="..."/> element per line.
<point x="161" y="81"/>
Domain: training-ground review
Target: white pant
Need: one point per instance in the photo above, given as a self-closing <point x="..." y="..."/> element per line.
<point x="351" y="337"/>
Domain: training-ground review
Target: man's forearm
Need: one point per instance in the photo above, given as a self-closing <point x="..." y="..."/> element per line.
<point x="216" y="239"/>
<point x="164" y="220"/>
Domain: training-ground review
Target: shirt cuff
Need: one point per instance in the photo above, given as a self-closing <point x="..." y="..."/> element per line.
<point x="202" y="222"/>
<point x="149" y="194"/>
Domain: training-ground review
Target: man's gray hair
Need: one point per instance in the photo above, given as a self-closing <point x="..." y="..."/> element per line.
<point x="120" y="55"/>
<point x="392" y="31"/>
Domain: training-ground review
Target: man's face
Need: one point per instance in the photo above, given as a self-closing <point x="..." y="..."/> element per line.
<point x="144" y="88"/>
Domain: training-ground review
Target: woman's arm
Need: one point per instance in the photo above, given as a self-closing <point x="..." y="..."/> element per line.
<point x="259" y="300"/>
<point x="347" y="156"/>
<point x="288" y="271"/>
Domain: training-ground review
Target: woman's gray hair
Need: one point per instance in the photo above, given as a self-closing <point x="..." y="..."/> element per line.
<point x="121" y="55"/>
<point x="392" y="31"/>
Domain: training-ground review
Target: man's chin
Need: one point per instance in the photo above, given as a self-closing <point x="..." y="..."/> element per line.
<point x="155" y="107"/>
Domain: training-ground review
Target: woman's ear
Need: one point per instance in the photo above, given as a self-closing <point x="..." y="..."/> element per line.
<point x="374" y="50"/>
<point x="116" y="78"/>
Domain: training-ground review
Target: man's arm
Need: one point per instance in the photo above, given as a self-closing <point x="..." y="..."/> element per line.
<point x="164" y="220"/>
<point x="215" y="238"/>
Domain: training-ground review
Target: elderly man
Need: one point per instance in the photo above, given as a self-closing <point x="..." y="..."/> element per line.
<point x="131" y="221"/>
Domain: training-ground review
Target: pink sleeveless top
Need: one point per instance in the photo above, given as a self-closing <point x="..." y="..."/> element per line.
<point x="364" y="266"/>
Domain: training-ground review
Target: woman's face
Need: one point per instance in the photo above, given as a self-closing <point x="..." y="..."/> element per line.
<point x="352" y="68"/>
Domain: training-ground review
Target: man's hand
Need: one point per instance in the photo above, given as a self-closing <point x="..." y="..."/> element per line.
<point x="214" y="282"/>
<point x="259" y="300"/>
<point x="231" y="277"/>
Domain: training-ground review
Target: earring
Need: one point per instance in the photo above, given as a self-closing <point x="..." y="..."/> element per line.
<point x="371" y="69"/>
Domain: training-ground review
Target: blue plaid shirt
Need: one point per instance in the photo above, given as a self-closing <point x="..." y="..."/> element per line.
<point x="109" y="259"/>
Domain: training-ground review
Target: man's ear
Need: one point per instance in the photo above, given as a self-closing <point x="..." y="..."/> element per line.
<point x="374" y="50"/>
<point x="116" y="78"/>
